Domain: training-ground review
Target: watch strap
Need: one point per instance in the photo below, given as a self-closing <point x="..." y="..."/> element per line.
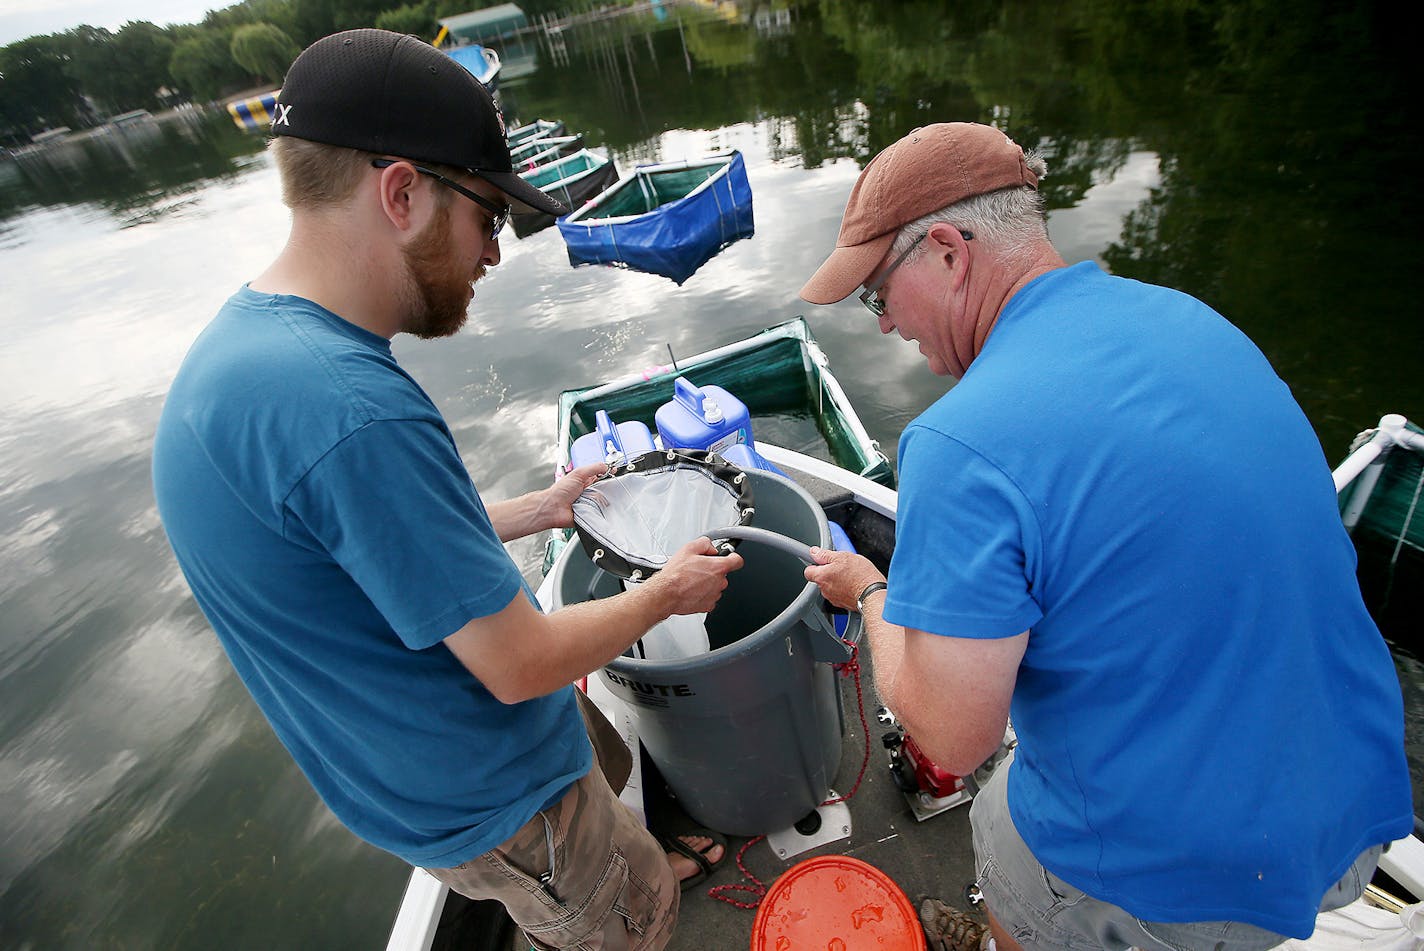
<point x="870" y="589"/>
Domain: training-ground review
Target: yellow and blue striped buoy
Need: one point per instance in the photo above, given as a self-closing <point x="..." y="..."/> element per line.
<point x="253" y="114"/>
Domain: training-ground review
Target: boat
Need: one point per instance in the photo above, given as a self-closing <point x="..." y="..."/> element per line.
<point x="668" y="219"/>
<point x="544" y="149"/>
<point x="778" y="372"/>
<point x="893" y="819"/>
<point x="133" y="117"/>
<point x="481" y="61"/>
<point x="538" y="129"/>
<point x="572" y="179"/>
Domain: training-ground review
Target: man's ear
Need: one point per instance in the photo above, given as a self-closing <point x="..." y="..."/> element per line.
<point x="948" y="245"/>
<point x="396" y="190"/>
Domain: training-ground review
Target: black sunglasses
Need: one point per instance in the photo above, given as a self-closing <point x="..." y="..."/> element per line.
<point x="499" y="214"/>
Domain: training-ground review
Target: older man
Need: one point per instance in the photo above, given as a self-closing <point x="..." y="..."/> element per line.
<point x="1119" y="527"/>
<point x="322" y="516"/>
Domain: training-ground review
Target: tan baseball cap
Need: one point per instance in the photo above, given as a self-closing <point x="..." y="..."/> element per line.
<point x="929" y="169"/>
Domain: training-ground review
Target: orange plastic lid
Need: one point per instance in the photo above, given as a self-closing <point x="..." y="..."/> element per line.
<point x="836" y="903"/>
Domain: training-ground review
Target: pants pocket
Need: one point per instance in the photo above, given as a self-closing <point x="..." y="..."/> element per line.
<point x="583" y="919"/>
<point x="638" y="905"/>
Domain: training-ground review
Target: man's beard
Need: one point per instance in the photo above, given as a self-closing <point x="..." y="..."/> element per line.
<point x="438" y="292"/>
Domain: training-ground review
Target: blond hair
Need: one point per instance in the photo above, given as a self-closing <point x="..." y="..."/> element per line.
<point x="317" y="176"/>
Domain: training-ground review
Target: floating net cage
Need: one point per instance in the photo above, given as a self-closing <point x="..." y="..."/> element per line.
<point x="1389" y="539"/>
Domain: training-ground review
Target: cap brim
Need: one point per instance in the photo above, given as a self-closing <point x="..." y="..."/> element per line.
<point x="524" y="196"/>
<point x="845" y="270"/>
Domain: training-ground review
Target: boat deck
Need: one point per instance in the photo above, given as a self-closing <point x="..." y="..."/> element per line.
<point x="931" y="858"/>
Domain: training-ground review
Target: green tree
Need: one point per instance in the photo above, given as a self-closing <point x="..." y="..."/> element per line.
<point x="89" y="61"/>
<point x="263" y="50"/>
<point x="414" y="18"/>
<point x="202" y="64"/>
<point x="141" y="53"/>
<point x="36" y="91"/>
<point x="314" y="19"/>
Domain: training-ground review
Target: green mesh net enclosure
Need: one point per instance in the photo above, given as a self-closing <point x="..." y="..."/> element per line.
<point x="1389" y="539"/>
<point x="648" y="191"/>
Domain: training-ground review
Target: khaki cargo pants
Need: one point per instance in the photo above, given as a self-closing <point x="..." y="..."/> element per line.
<point x="583" y="873"/>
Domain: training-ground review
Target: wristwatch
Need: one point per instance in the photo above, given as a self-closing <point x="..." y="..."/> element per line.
<point x="870" y="589"/>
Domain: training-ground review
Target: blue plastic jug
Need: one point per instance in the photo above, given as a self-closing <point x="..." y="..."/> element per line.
<point x="706" y="417"/>
<point x="745" y="457"/>
<point x="609" y="443"/>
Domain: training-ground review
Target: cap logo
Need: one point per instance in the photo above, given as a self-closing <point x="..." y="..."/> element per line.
<point x="499" y="117"/>
<point x="283" y="112"/>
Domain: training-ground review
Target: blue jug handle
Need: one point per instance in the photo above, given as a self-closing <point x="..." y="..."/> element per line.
<point x="607" y="432"/>
<point x="688" y="395"/>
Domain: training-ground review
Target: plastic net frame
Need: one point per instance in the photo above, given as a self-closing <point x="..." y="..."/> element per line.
<point x="645" y="526"/>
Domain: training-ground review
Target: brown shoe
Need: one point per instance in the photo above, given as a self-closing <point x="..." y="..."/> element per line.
<point x="949" y="929"/>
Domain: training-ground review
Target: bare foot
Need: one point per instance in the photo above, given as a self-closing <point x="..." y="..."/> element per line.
<point x="685" y="867"/>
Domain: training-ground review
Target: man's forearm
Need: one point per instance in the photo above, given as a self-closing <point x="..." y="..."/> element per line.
<point x="887" y="647"/>
<point x="519" y="517"/>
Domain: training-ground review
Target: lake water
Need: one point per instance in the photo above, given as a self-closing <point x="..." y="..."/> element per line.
<point x="1262" y="157"/>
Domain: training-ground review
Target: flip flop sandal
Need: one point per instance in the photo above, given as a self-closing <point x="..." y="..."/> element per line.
<point x="672" y="843"/>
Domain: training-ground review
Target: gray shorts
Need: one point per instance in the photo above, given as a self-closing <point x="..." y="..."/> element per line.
<point x="1040" y="910"/>
<point x="583" y="873"/>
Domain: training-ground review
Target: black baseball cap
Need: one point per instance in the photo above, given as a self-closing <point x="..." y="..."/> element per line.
<point x="394" y="94"/>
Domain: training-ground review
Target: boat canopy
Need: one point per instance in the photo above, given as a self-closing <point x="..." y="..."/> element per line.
<point x="482" y="63"/>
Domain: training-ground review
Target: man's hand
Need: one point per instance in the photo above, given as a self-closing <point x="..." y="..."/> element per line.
<point x="841" y="576"/>
<point x="557" y="501"/>
<point x="519" y="653"/>
<point x="694" y="578"/>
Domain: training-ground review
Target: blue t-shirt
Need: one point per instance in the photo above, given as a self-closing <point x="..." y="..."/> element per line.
<point x="330" y="533"/>
<point x="1210" y="724"/>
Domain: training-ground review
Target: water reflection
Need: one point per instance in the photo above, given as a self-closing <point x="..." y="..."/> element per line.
<point x="132" y="171"/>
<point x="1254" y="161"/>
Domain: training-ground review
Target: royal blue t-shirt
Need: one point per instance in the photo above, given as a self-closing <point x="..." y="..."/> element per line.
<point x="330" y="533"/>
<point x="1210" y="724"/>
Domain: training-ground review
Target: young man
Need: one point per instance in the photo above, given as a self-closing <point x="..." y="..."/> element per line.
<point x="322" y="516"/>
<point x="1119" y="527"/>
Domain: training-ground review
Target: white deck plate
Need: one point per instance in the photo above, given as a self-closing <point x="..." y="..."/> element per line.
<point x="835" y="825"/>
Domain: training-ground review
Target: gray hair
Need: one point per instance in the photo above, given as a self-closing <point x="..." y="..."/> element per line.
<point x="1010" y="219"/>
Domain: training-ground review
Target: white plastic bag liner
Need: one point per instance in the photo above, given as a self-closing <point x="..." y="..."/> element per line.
<point x="634" y="518"/>
<point x="678" y="638"/>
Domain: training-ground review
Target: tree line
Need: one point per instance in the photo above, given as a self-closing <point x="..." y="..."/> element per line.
<point x="81" y="76"/>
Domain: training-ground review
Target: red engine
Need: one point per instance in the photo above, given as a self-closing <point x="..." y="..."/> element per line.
<point x="927" y="776"/>
<point x="915" y="772"/>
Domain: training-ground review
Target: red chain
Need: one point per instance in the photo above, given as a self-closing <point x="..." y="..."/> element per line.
<point x="852" y="667"/>
<point x="757" y="888"/>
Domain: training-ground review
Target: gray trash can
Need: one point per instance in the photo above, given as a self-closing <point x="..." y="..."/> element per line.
<point x="748" y="735"/>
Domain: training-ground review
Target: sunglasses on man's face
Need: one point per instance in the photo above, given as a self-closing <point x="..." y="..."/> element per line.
<point x="499" y="214"/>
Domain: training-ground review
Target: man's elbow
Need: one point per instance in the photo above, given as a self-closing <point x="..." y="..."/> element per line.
<point x="513" y="687"/>
<point x="951" y="738"/>
<point x="959" y="755"/>
<point x="508" y="685"/>
<point x="518" y="684"/>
